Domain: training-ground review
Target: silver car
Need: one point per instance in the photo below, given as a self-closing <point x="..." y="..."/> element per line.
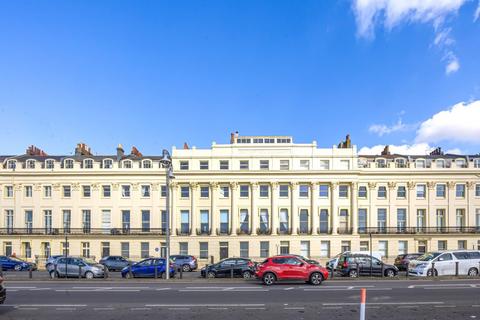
<point x="73" y="267"/>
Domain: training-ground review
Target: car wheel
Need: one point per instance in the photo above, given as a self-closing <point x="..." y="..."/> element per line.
<point x="211" y="275"/>
<point x="390" y="273"/>
<point x="247" y="275"/>
<point x="353" y="274"/>
<point x="163" y="275"/>
<point x="129" y="275"/>
<point x="432" y="272"/>
<point x="17" y="267"/>
<point x="89" y="275"/>
<point x="269" y="278"/>
<point x="186" y="268"/>
<point x="53" y="275"/>
<point x="473" y="272"/>
<point x="316" y="278"/>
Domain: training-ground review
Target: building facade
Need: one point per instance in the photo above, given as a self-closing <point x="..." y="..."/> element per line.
<point x="254" y="197"/>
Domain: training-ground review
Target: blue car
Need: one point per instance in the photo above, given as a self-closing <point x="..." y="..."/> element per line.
<point x="146" y="269"/>
<point x="12" y="263"/>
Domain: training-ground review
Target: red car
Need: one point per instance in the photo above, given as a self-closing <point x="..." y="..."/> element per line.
<point x="290" y="267"/>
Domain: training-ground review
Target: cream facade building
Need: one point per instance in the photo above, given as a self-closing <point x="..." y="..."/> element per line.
<point x="254" y="197"/>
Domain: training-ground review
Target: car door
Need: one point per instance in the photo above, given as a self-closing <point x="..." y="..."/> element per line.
<point x="377" y="265"/>
<point x="445" y="265"/>
<point x="3" y="262"/>
<point x="144" y="268"/>
<point x="62" y="264"/>
<point x="225" y="267"/>
<point x="73" y="265"/>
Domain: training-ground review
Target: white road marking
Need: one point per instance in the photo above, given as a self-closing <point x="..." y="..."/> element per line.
<point x="294" y="308"/>
<point x="140" y="309"/>
<point x="66" y="309"/>
<point x="476" y="305"/>
<point x="445" y="306"/>
<point x="19" y="287"/>
<point x="103" y="309"/>
<point x="449" y="288"/>
<point x="162" y="289"/>
<point x="46" y="305"/>
<point x="178" y="308"/>
<point x="290" y="288"/>
<point x="40" y="289"/>
<point x="206" y="305"/>
<point x="439" y="285"/>
<point x="382" y="303"/>
<point x="27" y="308"/>
<point x="254" y="308"/>
<point x="217" y="308"/>
<point x="405" y="307"/>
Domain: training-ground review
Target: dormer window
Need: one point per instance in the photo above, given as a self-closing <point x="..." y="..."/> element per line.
<point x="381" y="163"/>
<point x="68" y="164"/>
<point x="440" y="163"/>
<point x="476" y="163"/>
<point x="127" y="164"/>
<point x="420" y="163"/>
<point x="49" y="164"/>
<point x="88" y="164"/>
<point x="30" y="164"/>
<point x="400" y="163"/>
<point x="11" y="164"/>
<point x="460" y="163"/>
<point x="107" y="164"/>
<point x="146" y="164"/>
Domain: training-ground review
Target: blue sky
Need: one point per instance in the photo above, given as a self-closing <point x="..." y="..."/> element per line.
<point x="158" y="73"/>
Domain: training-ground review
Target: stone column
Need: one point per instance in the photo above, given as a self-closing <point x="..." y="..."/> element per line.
<point x="253" y="207"/>
<point x="274" y="208"/>
<point x="214" y="224"/>
<point x="391" y="208"/>
<point x="470" y="210"/>
<point x="372" y="186"/>
<point x="411" y="204"/>
<point x="450" y="218"/>
<point x="333" y="205"/>
<point x="193" y="209"/>
<point x="354" y="207"/>
<point x="293" y="207"/>
<point x="314" y="214"/>
<point x="431" y="200"/>
<point x="233" y="211"/>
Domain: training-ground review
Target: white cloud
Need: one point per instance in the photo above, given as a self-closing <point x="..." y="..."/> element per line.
<point x="382" y="129"/>
<point x="453" y="64"/>
<point x="414" y="149"/>
<point x="460" y="123"/>
<point x="477" y="13"/>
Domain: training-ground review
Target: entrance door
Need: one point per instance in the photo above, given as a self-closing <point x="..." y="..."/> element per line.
<point x="223" y="250"/>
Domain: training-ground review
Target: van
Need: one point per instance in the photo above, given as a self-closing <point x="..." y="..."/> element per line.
<point x="443" y="263"/>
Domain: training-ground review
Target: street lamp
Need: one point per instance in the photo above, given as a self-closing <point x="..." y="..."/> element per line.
<point x="166" y="161"/>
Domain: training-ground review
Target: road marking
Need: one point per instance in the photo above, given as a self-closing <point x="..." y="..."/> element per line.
<point x="476" y="305"/>
<point x="40" y="289"/>
<point x="445" y="306"/>
<point x="383" y="303"/>
<point x="46" y="305"/>
<point x="405" y="307"/>
<point x="66" y="309"/>
<point x="140" y="309"/>
<point x="178" y="308"/>
<point x="102" y="309"/>
<point x="162" y="289"/>
<point x="217" y="308"/>
<point x="290" y="288"/>
<point x="439" y="285"/>
<point x="206" y="305"/>
<point x="27" y="308"/>
<point x="254" y="308"/>
<point x="294" y="308"/>
<point x="449" y="288"/>
<point x="20" y="287"/>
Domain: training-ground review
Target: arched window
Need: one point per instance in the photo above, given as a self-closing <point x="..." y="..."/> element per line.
<point x="440" y="163"/>
<point x="381" y="163"/>
<point x="108" y="164"/>
<point x="30" y="164"/>
<point x="68" y="163"/>
<point x="420" y="163"/>
<point x="11" y="164"/>
<point x="49" y="164"/>
<point x="461" y="163"/>
<point x="400" y="163"/>
<point x="88" y="164"/>
<point x="147" y="164"/>
<point x="127" y="164"/>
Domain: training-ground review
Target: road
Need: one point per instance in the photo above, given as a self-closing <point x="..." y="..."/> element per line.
<point x="396" y="299"/>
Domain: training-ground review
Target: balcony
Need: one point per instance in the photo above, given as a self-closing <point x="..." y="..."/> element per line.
<point x="244" y="231"/>
<point x="344" y="230"/>
<point x="184" y="231"/>
<point x="324" y="230"/>
<point x="203" y="231"/>
<point x="304" y="230"/>
<point x="223" y="231"/>
<point x="284" y="231"/>
<point x="420" y="230"/>
<point x="264" y="231"/>
<point x="62" y="232"/>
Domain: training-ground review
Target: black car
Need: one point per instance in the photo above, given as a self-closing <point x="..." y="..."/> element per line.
<point x="114" y="263"/>
<point x="354" y="265"/>
<point x="402" y="260"/>
<point x="3" y="291"/>
<point x="241" y="267"/>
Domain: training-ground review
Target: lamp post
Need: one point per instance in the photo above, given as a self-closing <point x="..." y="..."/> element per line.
<point x="166" y="161"/>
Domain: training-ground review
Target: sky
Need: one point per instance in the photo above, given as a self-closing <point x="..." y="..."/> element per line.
<point x="156" y="74"/>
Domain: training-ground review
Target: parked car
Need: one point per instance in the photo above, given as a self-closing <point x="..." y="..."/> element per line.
<point x="71" y="267"/>
<point x="306" y="259"/>
<point x="187" y="263"/>
<point x="3" y="291"/>
<point x="115" y="263"/>
<point x="290" y="267"/>
<point x="445" y="263"/>
<point x="242" y="267"/>
<point x="402" y="260"/>
<point x="332" y="263"/>
<point x="51" y="260"/>
<point x="13" y="263"/>
<point x="146" y="269"/>
<point x="356" y="264"/>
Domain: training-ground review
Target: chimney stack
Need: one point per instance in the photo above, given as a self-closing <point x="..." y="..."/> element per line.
<point x="34" y="151"/>
<point x="120" y="152"/>
<point x="135" y="152"/>
<point x="185" y="146"/>
<point x="82" y="150"/>
<point x="386" y="151"/>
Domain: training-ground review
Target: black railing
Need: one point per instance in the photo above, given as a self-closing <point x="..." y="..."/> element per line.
<point x="302" y="230"/>
<point x="284" y="231"/>
<point x="324" y="230"/>
<point x="184" y="232"/>
<point x="344" y="230"/>
<point x="265" y="231"/>
<point x="80" y="231"/>
<point x="204" y="231"/>
<point x="419" y="230"/>
<point x="223" y="232"/>
<point x="244" y="231"/>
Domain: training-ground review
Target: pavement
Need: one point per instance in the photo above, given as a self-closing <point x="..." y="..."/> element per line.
<point x="137" y="299"/>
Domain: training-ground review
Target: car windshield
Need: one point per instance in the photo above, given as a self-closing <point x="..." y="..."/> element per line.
<point x="16" y="259"/>
<point x="89" y="261"/>
<point x="428" y="256"/>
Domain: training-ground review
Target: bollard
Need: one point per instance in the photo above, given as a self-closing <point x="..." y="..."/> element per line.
<point x="383" y="271"/>
<point x="363" y="299"/>
<point x="231" y="272"/>
<point x="456" y="268"/>
<point x="30" y="274"/>
<point x="79" y="272"/>
<point x="433" y="269"/>
<point x="181" y="272"/>
<point x="406" y="274"/>
<point x="156" y="272"/>
<point x="105" y="272"/>
<point x="130" y="270"/>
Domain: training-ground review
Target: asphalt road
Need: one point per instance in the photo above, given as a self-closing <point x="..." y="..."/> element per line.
<point x="395" y="299"/>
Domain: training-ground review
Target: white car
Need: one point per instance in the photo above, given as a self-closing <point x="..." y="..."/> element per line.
<point x="444" y="263"/>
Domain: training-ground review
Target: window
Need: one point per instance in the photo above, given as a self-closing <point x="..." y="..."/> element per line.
<point x="125" y="249"/>
<point x="30" y="164"/>
<point x="47" y="221"/>
<point x="146" y="164"/>
<point x="343" y="223"/>
<point x="145" y="191"/>
<point x="88" y="163"/>
<point x="185" y="222"/>
<point x="49" y="164"/>
<point x="183" y="165"/>
<point x="440" y="219"/>
<point x="283" y="190"/>
<point x="9" y="220"/>
<point x="46" y="249"/>
<point x="381" y="163"/>
<point x="106" y="191"/>
<point x="145" y="220"/>
<point x="284" y="164"/>
<point x="125" y="191"/>
<point x="402" y="247"/>
<point x="244" y="191"/>
<point x="264" y="249"/>
<point x="400" y="163"/>
<point x="324" y="164"/>
<point x="183" y="248"/>
<point x="264" y="164"/>
<point x="204" y="191"/>
<point x="460" y="191"/>
<point x="67" y="191"/>
<point x="460" y="163"/>
<point x="204" y="166"/>
<point x="203" y="250"/>
<point x="8" y="191"/>
<point x="107" y="164"/>
<point x="442" y="245"/>
<point x="284" y="226"/>
<point x="305" y="248"/>
<point x="127" y="164"/>
<point x="382" y="192"/>
<point x="144" y="249"/>
<point x="462" y="244"/>
<point x="86" y="249"/>
<point x="185" y="191"/>
<point x="244" y="249"/>
<point x="67" y="220"/>
<point x="224" y="222"/>
<point x="419" y="163"/>
<point x="163" y="191"/>
<point x="344" y="164"/>
<point x="440" y="163"/>
<point x="223" y="164"/>
<point x="264" y="190"/>
<point x="126" y="221"/>
<point x="264" y="221"/>
<point x="383" y="248"/>
<point x="343" y="191"/>
<point x="421" y="191"/>
<point x="362" y="220"/>
<point x="11" y="164"/>
<point x="401" y="220"/>
<point x="243" y="164"/>
<point x="476" y="163"/>
<point x="422" y="246"/>
<point x="401" y="192"/>
<point x="224" y="191"/>
<point x="86" y="191"/>
<point x="460" y="218"/>
<point x="244" y="221"/>
<point x="47" y="191"/>
<point x="28" y="191"/>
<point x="345" y="246"/>
<point x="163" y="220"/>
<point x="325" y="249"/>
<point x="421" y="220"/>
<point x="204" y="221"/>
<point x="323" y="190"/>
<point x="86" y="221"/>
<point x="477" y="190"/>
<point x="440" y="190"/>
<point x="324" y="221"/>
<point x="362" y="192"/>
<point x="304" y="164"/>
<point x="223" y="250"/>
<point x="303" y="190"/>
<point x="284" y="247"/>
<point x="382" y="220"/>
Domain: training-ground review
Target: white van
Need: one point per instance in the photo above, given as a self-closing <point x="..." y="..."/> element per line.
<point x="332" y="263"/>
<point x="445" y="263"/>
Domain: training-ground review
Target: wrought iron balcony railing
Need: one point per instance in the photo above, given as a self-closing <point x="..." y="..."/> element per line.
<point x="304" y="230"/>
<point x="324" y="230"/>
<point x="344" y="230"/>
<point x="223" y="232"/>
<point x="284" y="231"/>
<point x="244" y="231"/>
<point x="264" y="231"/>
<point x="184" y="232"/>
<point x="420" y="230"/>
<point x="82" y="231"/>
<point x="204" y="232"/>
